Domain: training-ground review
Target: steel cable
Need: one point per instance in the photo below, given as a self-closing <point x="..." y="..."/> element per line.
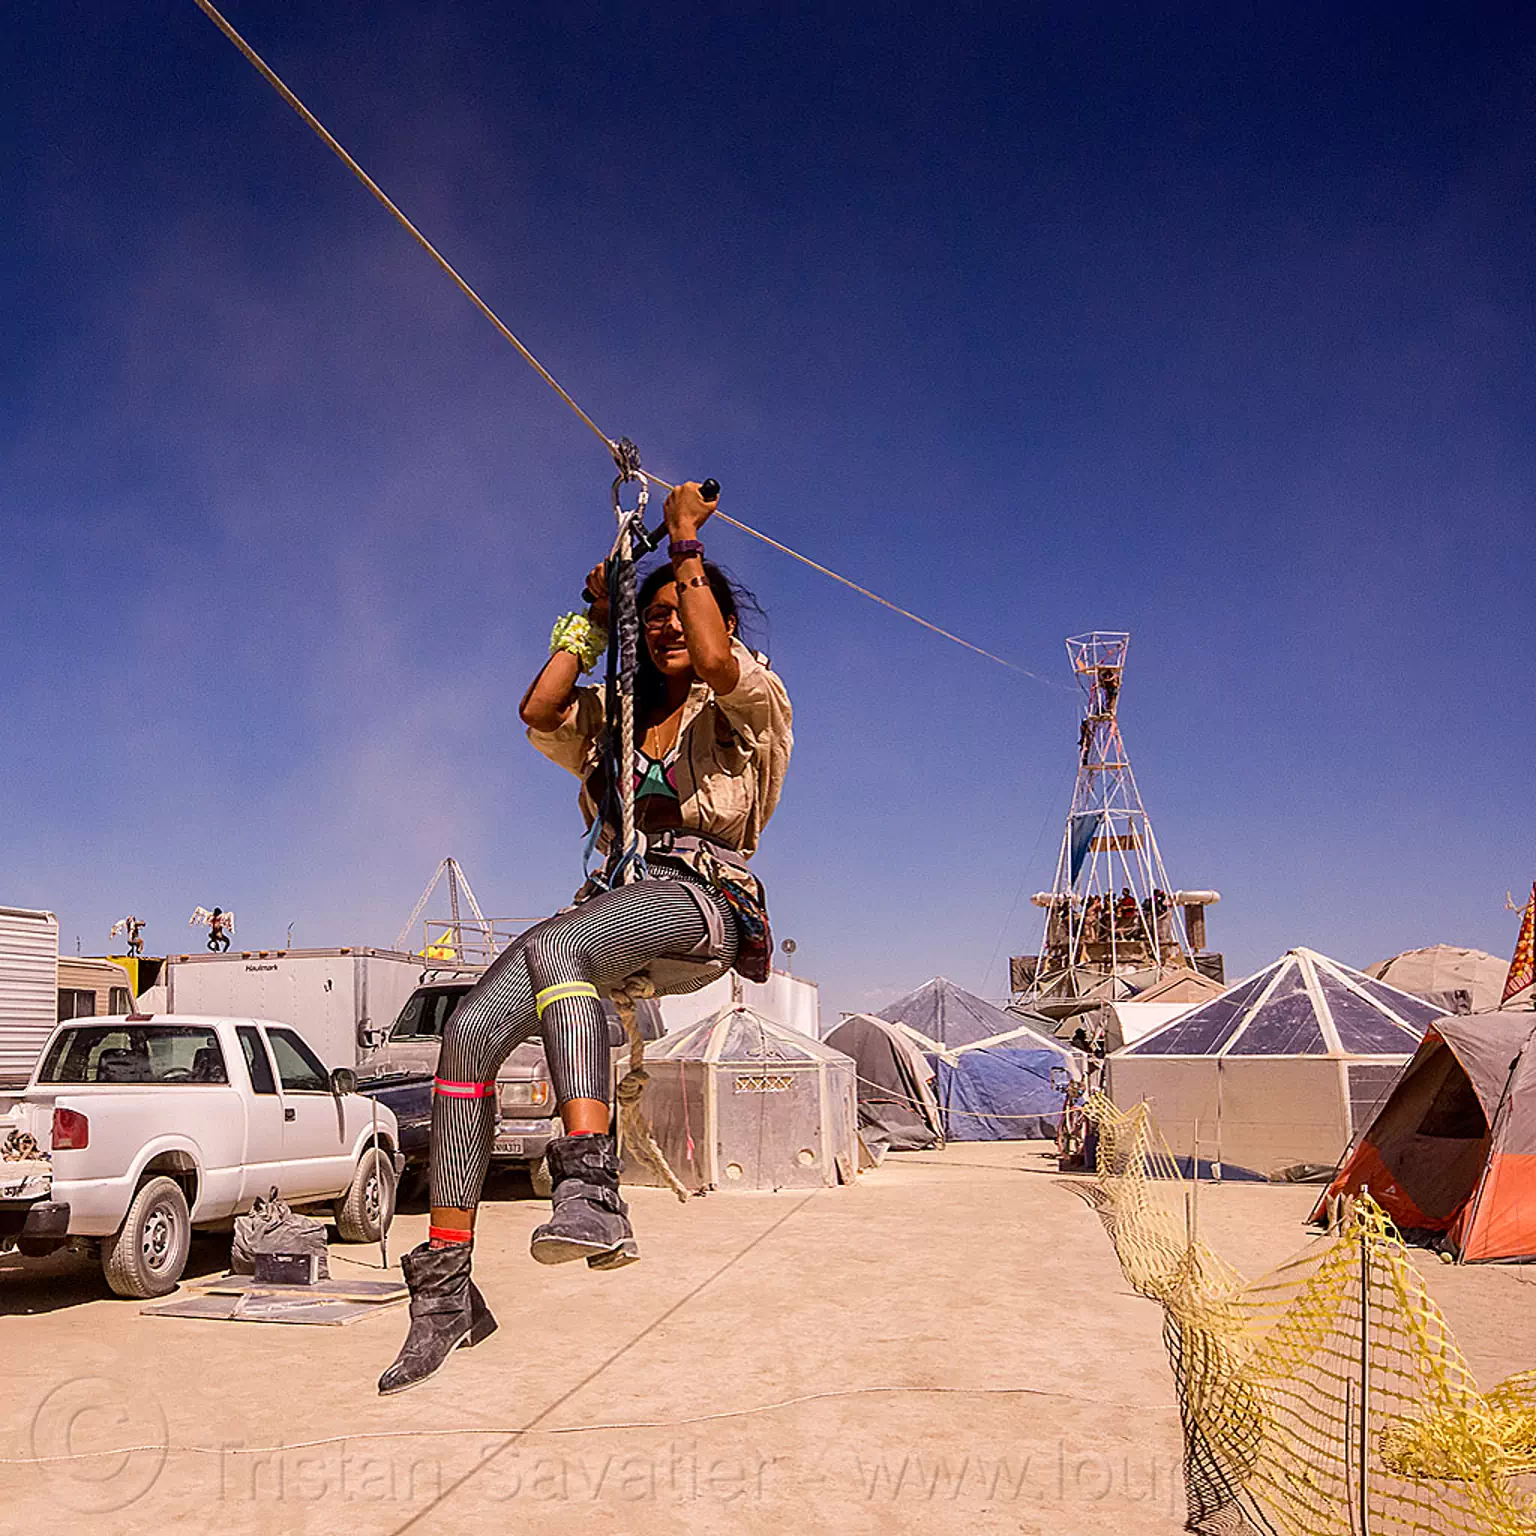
<point x="330" y="141"/>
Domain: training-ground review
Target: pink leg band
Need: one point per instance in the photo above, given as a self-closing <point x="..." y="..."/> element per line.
<point x="463" y="1090"/>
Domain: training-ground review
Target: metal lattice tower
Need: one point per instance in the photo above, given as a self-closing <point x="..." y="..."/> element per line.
<point x="1111" y="910"/>
<point x="450" y="938"/>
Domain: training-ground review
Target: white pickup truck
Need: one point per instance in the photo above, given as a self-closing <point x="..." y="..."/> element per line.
<point x="146" y="1126"/>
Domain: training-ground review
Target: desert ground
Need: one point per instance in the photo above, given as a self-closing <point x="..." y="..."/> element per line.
<point x="946" y="1345"/>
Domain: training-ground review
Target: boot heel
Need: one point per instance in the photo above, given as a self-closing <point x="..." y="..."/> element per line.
<point x="628" y="1252"/>
<point x="481" y="1329"/>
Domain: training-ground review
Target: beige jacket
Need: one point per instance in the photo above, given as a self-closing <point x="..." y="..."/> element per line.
<point x="733" y="750"/>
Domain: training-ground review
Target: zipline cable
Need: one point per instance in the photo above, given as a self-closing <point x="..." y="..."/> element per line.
<point x="330" y="141"/>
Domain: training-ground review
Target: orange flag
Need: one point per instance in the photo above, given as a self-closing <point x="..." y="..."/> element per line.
<point x="1522" y="969"/>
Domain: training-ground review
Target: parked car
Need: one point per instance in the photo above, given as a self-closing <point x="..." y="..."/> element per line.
<point x="150" y="1126"/>
<point x="525" y="1100"/>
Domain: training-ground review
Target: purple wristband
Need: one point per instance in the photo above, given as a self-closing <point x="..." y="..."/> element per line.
<point x="680" y="549"/>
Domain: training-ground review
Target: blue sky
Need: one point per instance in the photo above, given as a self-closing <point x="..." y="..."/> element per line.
<point x="1211" y="325"/>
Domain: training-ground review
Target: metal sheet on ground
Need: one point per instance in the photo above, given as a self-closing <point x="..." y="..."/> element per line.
<point x="239" y="1299"/>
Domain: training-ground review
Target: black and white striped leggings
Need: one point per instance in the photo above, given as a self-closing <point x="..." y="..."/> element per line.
<point x="550" y="980"/>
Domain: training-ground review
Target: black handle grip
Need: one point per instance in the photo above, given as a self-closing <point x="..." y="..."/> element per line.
<point x="645" y="543"/>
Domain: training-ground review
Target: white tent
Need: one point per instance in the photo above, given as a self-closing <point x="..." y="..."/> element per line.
<point x="1277" y="1073"/>
<point x="1126" y="1023"/>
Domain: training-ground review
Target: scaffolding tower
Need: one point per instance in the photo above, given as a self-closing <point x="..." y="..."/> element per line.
<point x="1111" y="914"/>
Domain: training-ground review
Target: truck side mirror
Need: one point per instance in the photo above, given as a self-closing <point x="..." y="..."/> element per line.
<point x="343" y="1080"/>
<point x="371" y="1036"/>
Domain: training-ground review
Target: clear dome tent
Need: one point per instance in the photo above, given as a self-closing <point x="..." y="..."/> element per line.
<point x="739" y="1101"/>
<point x="1275" y="1076"/>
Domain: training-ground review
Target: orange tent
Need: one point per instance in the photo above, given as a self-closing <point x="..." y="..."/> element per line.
<point x="1451" y="1154"/>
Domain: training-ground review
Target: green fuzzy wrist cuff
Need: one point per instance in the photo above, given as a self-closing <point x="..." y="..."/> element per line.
<point x="576" y="633"/>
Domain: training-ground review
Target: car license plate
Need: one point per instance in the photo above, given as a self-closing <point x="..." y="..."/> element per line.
<point x="509" y="1144"/>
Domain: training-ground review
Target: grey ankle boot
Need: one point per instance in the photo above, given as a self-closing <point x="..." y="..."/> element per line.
<point x="590" y="1221"/>
<point x="447" y="1311"/>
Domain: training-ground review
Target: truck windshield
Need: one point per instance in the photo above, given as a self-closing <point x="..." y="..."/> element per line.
<point x="426" y="1011"/>
<point x="135" y="1053"/>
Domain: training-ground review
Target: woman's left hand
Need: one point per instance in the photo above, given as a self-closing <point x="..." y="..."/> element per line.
<point x="686" y="510"/>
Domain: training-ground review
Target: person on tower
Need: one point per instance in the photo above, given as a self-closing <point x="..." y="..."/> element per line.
<point x="713" y="729"/>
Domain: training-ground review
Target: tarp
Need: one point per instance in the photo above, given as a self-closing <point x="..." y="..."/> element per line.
<point x="992" y="1065"/>
<point x="897" y="1109"/>
<point x="1451" y="1155"/>
<point x="999" y="1093"/>
<point x="1084" y="825"/>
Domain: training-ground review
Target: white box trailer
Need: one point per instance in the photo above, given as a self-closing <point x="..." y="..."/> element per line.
<point x="29" y="989"/>
<point x="342" y="1001"/>
<point x="790" y="1000"/>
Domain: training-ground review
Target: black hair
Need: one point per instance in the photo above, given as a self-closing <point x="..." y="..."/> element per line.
<point x="650" y="685"/>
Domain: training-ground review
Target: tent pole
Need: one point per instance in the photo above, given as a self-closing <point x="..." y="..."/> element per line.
<point x="1216" y="1161"/>
<point x="1194" y="1197"/>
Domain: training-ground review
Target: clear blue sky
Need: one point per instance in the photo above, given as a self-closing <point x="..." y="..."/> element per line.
<point x="1213" y="325"/>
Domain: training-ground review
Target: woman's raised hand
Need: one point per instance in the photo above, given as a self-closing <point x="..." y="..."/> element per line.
<point x="686" y="510"/>
<point x="597" y="594"/>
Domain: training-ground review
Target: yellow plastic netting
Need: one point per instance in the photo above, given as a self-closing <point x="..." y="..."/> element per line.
<point x="1327" y="1398"/>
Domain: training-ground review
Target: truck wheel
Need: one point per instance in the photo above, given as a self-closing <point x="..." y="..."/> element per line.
<point x="541" y="1179"/>
<point x="146" y="1255"/>
<point x="364" y="1213"/>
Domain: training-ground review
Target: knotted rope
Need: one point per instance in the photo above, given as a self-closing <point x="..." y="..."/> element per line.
<point x="627" y="862"/>
<point x="634" y="1124"/>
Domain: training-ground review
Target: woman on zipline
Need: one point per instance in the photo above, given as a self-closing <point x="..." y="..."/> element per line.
<point x="712" y="741"/>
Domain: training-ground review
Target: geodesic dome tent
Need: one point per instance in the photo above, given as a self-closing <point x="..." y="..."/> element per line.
<point x="738" y="1101"/>
<point x="1277" y="1074"/>
<point x="1436" y="972"/>
<point x="947" y="1016"/>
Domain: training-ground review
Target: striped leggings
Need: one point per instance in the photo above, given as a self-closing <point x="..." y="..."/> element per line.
<point x="550" y="980"/>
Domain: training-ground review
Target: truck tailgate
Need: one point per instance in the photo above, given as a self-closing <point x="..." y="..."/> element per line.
<point x="22" y="1177"/>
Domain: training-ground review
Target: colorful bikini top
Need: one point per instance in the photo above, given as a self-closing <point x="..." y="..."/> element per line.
<point x="653" y="776"/>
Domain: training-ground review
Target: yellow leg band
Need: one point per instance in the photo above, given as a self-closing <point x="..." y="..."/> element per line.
<point x="561" y="991"/>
